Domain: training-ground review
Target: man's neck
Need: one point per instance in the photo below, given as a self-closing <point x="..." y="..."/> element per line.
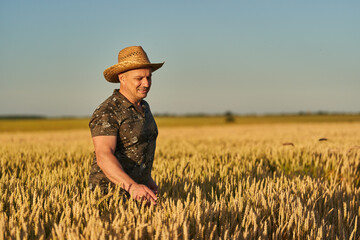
<point x="136" y="102"/>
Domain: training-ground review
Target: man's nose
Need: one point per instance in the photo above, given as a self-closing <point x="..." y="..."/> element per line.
<point x="146" y="82"/>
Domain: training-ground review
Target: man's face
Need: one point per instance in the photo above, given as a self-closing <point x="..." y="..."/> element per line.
<point x="135" y="84"/>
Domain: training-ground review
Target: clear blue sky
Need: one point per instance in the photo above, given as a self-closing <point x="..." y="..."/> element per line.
<point x="244" y="56"/>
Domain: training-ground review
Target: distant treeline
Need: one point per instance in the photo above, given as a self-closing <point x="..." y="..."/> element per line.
<point x="14" y="117"/>
<point x="229" y="113"/>
<point x="194" y="115"/>
<point x="34" y="117"/>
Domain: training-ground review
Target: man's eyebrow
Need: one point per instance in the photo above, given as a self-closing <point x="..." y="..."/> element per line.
<point x="142" y="75"/>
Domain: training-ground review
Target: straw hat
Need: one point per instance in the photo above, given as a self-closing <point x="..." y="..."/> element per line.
<point x="130" y="58"/>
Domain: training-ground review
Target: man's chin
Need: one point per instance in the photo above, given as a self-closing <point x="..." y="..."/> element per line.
<point x="143" y="95"/>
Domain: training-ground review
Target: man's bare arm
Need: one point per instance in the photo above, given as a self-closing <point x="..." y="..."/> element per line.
<point x="104" y="150"/>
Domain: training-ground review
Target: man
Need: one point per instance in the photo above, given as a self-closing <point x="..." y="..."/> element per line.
<point x="124" y="131"/>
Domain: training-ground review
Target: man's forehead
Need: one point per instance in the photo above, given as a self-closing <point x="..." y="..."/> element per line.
<point x="139" y="72"/>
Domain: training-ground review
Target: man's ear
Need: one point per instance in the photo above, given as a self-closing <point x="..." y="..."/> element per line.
<point x="121" y="77"/>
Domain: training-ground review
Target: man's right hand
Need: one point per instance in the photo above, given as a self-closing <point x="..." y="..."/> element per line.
<point x="141" y="192"/>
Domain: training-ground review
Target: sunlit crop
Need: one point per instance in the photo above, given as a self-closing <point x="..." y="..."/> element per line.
<point x="260" y="181"/>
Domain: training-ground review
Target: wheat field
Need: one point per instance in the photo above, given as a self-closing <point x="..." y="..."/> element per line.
<point x="260" y="181"/>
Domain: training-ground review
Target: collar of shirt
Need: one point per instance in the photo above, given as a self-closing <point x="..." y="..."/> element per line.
<point x="125" y="102"/>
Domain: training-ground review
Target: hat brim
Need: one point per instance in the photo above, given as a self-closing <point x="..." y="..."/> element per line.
<point x="111" y="73"/>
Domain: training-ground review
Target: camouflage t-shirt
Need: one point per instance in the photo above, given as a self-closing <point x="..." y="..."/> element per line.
<point x="136" y="138"/>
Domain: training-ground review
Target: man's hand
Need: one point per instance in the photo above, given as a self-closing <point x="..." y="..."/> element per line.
<point x="152" y="185"/>
<point x="141" y="192"/>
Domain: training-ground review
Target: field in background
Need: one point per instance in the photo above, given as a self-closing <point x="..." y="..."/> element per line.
<point x="82" y="123"/>
<point x="299" y="180"/>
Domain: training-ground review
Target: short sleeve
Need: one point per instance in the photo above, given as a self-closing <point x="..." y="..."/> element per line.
<point x="103" y="122"/>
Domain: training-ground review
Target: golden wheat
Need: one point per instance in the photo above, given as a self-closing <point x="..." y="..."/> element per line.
<point x="223" y="182"/>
